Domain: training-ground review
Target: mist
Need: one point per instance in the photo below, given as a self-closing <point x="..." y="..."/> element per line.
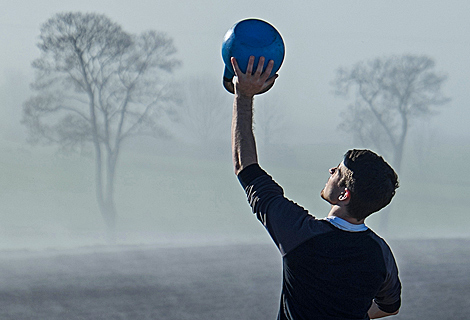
<point x="182" y="191"/>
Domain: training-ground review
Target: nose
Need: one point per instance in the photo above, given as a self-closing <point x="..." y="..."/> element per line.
<point x="332" y="170"/>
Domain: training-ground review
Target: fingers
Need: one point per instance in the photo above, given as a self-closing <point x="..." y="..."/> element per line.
<point x="259" y="69"/>
<point x="251" y="83"/>
<point x="249" y="68"/>
<point x="269" y="67"/>
<point x="235" y="66"/>
<point x="271" y="80"/>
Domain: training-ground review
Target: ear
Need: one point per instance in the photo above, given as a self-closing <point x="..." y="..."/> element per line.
<point x="345" y="195"/>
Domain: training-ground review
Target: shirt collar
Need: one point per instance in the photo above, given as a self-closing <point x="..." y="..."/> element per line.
<point x="346" y="226"/>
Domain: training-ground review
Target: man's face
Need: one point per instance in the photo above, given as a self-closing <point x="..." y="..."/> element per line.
<point x="332" y="189"/>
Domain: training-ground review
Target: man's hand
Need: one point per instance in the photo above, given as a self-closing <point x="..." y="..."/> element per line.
<point x="248" y="84"/>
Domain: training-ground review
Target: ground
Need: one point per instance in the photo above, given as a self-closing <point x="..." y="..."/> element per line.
<point x="233" y="281"/>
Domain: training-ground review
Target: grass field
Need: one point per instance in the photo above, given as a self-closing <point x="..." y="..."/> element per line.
<point x="188" y="247"/>
<point x="211" y="282"/>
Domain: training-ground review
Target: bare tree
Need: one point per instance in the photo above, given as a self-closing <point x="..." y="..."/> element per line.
<point x="389" y="93"/>
<point x="98" y="84"/>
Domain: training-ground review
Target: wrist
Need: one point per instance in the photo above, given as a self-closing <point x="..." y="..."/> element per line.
<point x="244" y="96"/>
<point x="244" y="104"/>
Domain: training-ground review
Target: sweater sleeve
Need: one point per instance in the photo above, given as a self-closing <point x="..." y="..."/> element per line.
<point x="388" y="299"/>
<point x="288" y="224"/>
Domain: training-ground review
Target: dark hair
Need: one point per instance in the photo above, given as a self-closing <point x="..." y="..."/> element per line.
<point x="371" y="181"/>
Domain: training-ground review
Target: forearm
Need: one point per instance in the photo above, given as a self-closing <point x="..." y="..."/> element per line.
<point x="375" y="313"/>
<point x="243" y="140"/>
<point x="246" y="86"/>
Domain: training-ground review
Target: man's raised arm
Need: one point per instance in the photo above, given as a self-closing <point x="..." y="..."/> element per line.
<point x="246" y="86"/>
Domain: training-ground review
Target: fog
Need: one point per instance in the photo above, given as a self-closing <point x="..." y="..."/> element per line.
<point x="181" y="191"/>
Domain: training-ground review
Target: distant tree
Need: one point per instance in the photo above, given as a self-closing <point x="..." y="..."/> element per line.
<point x="98" y="84"/>
<point x="271" y="119"/>
<point x="12" y="91"/>
<point x="388" y="94"/>
<point x="204" y="109"/>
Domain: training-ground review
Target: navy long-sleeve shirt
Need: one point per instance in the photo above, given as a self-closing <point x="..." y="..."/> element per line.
<point x="328" y="273"/>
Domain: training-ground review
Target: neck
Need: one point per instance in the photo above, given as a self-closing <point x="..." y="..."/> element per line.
<point x="341" y="212"/>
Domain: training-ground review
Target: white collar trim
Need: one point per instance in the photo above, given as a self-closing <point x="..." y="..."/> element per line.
<point x="346" y="226"/>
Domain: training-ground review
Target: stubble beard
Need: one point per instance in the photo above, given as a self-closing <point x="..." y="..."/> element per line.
<point x="322" y="195"/>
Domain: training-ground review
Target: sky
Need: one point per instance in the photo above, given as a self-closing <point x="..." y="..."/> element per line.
<point x="320" y="37"/>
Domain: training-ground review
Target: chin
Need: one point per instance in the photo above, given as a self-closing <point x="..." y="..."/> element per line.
<point x="322" y="195"/>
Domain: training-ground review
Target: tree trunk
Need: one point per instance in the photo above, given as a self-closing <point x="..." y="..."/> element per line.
<point x="111" y="207"/>
<point x="397" y="160"/>
<point x="110" y="217"/>
<point x="105" y="193"/>
<point x="400" y="147"/>
<point x="384" y="221"/>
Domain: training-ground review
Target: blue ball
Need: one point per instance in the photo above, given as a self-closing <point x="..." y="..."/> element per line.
<point x="252" y="37"/>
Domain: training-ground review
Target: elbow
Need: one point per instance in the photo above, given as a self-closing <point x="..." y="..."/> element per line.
<point x="388" y="314"/>
<point x="238" y="168"/>
<point x="375" y="312"/>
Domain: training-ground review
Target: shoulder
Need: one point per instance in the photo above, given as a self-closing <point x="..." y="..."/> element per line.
<point x="383" y="245"/>
<point x="385" y="251"/>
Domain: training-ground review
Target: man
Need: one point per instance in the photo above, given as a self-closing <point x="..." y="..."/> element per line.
<point x="333" y="268"/>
